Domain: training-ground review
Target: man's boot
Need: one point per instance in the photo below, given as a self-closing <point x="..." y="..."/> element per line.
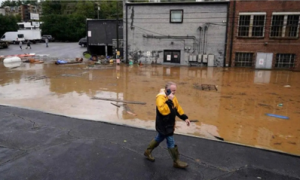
<point x="153" y="144"/>
<point x="175" y="156"/>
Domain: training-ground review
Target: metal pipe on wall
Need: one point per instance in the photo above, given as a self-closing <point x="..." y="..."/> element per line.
<point x="205" y="38"/>
<point x="199" y="48"/>
<point x="126" y="9"/>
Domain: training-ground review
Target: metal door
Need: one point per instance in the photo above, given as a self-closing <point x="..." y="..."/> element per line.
<point x="172" y="56"/>
<point x="264" y="61"/>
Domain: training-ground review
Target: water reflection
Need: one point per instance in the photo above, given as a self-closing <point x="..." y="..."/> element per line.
<point x="235" y="112"/>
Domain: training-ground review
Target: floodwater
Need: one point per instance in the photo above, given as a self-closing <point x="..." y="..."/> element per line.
<point x="235" y="111"/>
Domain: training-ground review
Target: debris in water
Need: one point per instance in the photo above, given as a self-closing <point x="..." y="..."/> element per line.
<point x="194" y="120"/>
<point x="287" y="86"/>
<point x="206" y="87"/>
<point x="261" y="104"/>
<point x="129" y="112"/>
<point x="115" y="104"/>
<point x="280" y="105"/>
<point x="277" y="116"/>
<point x="37" y="77"/>
<point x="117" y="100"/>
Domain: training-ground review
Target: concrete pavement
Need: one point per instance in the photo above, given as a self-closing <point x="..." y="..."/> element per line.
<point x="61" y="50"/>
<point x="38" y="145"/>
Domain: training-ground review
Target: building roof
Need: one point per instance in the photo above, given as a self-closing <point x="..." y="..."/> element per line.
<point x="176" y="3"/>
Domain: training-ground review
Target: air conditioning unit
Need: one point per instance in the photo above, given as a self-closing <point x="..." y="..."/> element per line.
<point x="204" y="58"/>
<point x="192" y="58"/>
<point x="211" y="60"/>
<point x="200" y="58"/>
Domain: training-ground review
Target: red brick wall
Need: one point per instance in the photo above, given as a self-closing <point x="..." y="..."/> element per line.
<point x="266" y="44"/>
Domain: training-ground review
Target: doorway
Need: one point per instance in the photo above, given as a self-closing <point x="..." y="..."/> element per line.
<point x="172" y="56"/>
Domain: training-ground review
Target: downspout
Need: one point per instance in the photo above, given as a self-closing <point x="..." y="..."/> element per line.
<point x="232" y="30"/>
<point x="203" y="44"/>
<point x="205" y="38"/>
<point x="225" y="44"/>
<point x="199" y="48"/>
<point x="87" y="37"/>
<point x="126" y="9"/>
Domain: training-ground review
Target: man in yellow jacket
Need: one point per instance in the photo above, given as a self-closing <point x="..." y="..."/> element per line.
<point x="167" y="108"/>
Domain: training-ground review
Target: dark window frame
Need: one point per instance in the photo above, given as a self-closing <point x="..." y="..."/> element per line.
<point x="176" y="22"/>
<point x="288" y="27"/>
<point x="285" y="61"/>
<point x="244" y="59"/>
<point x="251" y="25"/>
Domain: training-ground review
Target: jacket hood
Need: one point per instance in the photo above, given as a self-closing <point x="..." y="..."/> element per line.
<point x="161" y="93"/>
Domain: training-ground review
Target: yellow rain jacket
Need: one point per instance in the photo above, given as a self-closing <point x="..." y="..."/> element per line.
<point x="166" y="112"/>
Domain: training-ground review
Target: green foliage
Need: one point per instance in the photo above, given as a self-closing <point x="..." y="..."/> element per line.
<point x="14" y="3"/>
<point x="8" y="23"/>
<point x="32" y="2"/>
<point x="64" y="27"/>
<point x="110" y="10"/>
<point x="85" y="8"/>
<point x="51" y="7"/>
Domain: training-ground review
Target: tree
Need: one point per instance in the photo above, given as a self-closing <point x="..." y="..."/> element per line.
<point x="64" y="27"/>
<point x="85" y="8"/>
<point x="51" y="7"/>
<point x="8" y="23"/>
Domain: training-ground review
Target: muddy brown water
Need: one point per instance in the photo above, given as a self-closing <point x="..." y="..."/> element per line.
<point x="235" y="112"/>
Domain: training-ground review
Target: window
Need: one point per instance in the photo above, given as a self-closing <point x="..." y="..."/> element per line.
<point x="176" y="16"/>
<point x="285" y="60"/>
<point x="285" y="25"/>
<point x="243" y="59"/>
<point x="251" y="24"/>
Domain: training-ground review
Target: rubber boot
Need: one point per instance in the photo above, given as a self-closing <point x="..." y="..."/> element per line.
<point x="153" y="144"/>
<point x="175" y="156"/>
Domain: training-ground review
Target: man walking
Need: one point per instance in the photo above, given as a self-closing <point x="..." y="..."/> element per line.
<point x="167" y="107"/>
<point x="28" y="44"/>
<point x="20" y="44"/>
<point x="46" y="41"/>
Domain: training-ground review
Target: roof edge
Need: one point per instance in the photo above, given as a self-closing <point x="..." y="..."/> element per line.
<point x="177" y="3"/>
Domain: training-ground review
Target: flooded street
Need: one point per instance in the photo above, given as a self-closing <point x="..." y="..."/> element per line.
<point x="238" y="107"/>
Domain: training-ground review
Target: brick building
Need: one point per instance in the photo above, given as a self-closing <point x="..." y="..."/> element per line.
<point x="265" y="34"/>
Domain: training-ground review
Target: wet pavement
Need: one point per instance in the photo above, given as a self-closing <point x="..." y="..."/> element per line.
<point x="36" y="145"/>
<point x="236" y="108"/>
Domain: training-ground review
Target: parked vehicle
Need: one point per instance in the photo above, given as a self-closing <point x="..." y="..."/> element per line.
<point x="3" y="44"/>
<point x="49" y="37"/>
<point x="13" y="37"/>
<point x="33" y="35"/>
<point x="83" y="42"/>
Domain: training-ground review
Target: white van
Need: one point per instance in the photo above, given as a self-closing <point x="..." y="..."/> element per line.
<point x="13" y="37"/>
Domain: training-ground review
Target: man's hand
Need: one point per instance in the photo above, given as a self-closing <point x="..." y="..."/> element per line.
<point x="171" y="96"/>
<point x="187" y="122"/>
